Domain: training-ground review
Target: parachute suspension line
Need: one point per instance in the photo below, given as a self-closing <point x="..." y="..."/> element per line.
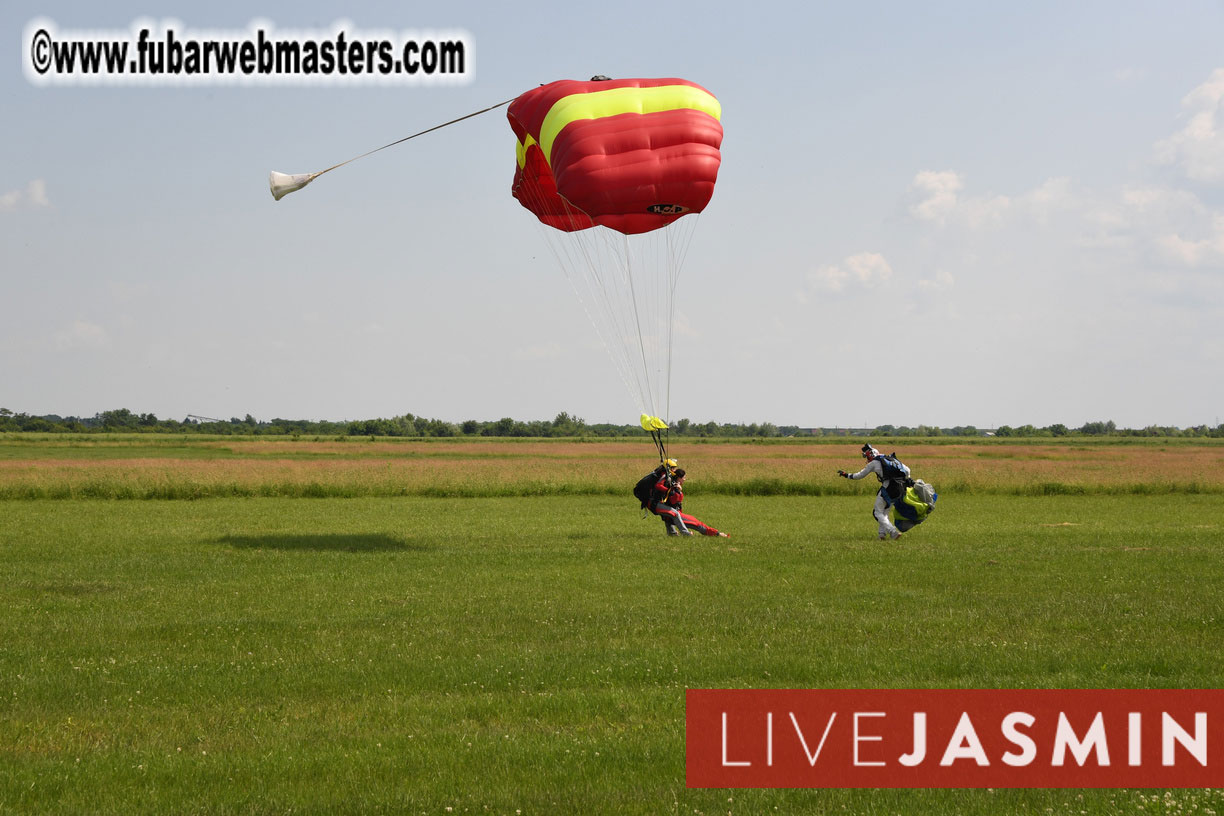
<point x="609" y="280"/>
<point x="664" y="312"/>
<point x="612" y="281"/>
<point x="282" y="184"/>
<point x="419" y="133"/>
<point x="581" y="256"/>
<point x="674" y="276"/>
<point x="678" y="243"/>
<point x="651" y="303"/>
<point x="671" y="329"/>
<point x="637" y="319"/>
<point x="662" y="447"/>
<point x="626" y="285"/>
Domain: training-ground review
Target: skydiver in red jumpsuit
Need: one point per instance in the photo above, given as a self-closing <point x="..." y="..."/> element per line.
<point x="667" y="501"/>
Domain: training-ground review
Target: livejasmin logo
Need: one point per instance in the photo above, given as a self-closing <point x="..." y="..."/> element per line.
<point x="945" y="738"/>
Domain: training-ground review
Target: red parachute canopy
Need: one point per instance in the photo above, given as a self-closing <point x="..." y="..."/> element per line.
<point x="629" y="154"/>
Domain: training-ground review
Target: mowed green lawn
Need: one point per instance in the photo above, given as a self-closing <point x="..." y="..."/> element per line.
<point x="530" y="655"/>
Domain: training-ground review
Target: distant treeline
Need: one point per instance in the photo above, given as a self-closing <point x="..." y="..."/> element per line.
<point x="563" y="425"/>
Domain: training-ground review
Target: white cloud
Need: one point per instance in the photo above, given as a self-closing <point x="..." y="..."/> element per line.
<point x="937" y="199"/>
<point x="1169" y="225"/>
<point x="943" y="280"/>
<point x="683" y="327"/>
<point x="945" y="202"/>
<point x="986" y="212"/>
<point x="1198" y="148"/>
<point x="36" y="192"/>
<point x="863" y="270"/>
<point x="1162" y="203"/>
<point x="1190" y="252"/>
<point x="869" y="267"/>
<point x="1173" y="226"/>
<point x="82" y="335"/>
<point x="1052" y="198"/>
<point x="34" y="195"/>
<point x="938" y="191"/>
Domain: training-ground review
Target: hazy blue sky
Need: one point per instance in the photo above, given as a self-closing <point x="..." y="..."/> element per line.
<point x="941" y="213"/>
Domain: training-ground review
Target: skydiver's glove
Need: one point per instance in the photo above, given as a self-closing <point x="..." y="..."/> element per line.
<point x="843" y="474"/>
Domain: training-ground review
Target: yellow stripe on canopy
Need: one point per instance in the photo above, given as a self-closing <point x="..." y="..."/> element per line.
<point x="520" y="150"/>
<point x="616" y="101"/>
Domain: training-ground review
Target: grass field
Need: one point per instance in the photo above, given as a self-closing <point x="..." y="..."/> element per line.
<point x="489" y="627"/>
<point x="193" y="467"/>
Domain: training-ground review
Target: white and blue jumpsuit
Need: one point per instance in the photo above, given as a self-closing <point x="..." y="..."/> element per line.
<point x="883" y="501"/>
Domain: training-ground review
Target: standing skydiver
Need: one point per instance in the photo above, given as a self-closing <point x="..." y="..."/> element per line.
<point x="893" y="477"/>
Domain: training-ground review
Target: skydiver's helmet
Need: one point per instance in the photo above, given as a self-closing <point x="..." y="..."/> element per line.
<point x="601" y="78"/>
<point x="870" y="453"/>
<point x="667" y="468"/>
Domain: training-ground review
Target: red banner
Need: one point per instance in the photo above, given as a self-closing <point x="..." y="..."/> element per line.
<point x="951" y="738"/>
